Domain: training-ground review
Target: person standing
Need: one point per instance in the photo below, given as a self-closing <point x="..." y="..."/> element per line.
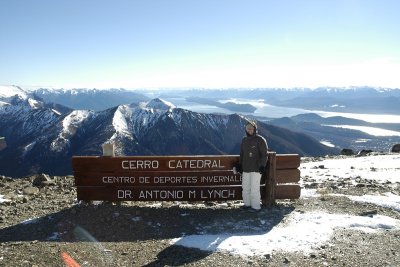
<point x="252" y="162"/>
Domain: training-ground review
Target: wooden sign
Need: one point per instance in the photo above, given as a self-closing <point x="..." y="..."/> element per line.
<point x="179" y="178"/>
<point x="157" y="178"/>
<point x="150" y="163"/>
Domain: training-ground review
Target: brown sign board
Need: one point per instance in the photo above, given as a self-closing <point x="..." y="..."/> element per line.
<point x="287" y="191"/>
<point x="154" y="163"/>
<point x="287" y="161"/>
<point x="160" y="193"/>
<point x="157" y="178"/>
<point x="175" y="178"/>
<point x="287" y="176"/>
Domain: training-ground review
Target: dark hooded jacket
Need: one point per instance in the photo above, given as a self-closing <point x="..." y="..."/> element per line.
<point x="253" y="152"/>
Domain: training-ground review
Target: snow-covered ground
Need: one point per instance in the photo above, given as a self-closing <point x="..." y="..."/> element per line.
<point x="316" y="227"/>
<point x="379" y="168"/>
<point x="316" y="230"/>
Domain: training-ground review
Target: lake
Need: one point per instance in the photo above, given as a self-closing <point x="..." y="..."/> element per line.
<point x="270" y="111"/>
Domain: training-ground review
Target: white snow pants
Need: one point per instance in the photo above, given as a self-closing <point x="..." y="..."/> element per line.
<point x="251" y="189"/>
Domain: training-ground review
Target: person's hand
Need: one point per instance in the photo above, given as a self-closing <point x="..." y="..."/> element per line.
<point x="239" y="168"/>
<point x="261" y="169"/>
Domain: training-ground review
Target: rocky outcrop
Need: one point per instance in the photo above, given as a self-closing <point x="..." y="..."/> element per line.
<point x="364" y="152"/>
<point x="347" y="152"/>
<point x="395" y="148"/>
<point x="3" y="143"/>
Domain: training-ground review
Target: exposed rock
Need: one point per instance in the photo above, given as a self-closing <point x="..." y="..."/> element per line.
<point x="364" y="152"/>
<point x="368" y="213"/>
<point x="395" y="148"/>
<point x="3" y="143"/>
<point x="347" y="152"/>
<point x="43" y="180"/>
<point x="30" y="190"/>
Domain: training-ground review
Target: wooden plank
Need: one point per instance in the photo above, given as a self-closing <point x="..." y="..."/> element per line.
<point x="154" y="163"/>
<point x="151" y="178"/>
<point x="287" y="176"/>
<point x="287" y="191"/>
<point x="217" y="193"/>
<point x="269" y="189"/>
<point x="287" y="161"/>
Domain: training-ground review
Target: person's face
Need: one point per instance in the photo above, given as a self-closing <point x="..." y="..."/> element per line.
<point x="250" y="130"/>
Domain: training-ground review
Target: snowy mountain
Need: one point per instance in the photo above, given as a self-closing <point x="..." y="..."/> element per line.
<point x="93" y="99"/>
<point x="10" y="91"/>
<point x="160" y="104"/>
<point x="352" y="99"/>
<point x="368" y="100"/>
<point x="42" y="137"/>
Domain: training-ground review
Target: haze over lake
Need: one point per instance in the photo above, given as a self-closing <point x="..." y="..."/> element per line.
<point x="268" y="110"/>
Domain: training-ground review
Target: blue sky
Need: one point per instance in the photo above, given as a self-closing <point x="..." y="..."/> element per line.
<point x="203" y="43"/>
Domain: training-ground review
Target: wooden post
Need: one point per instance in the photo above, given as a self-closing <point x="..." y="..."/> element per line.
<point x="270" y="182"/>
<point x="108" y="150"/>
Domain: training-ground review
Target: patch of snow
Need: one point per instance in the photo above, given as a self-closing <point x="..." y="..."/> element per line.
<point x="69" y="126"/>
<point x="362" y="140"/>
<point x="56" y="112"/>
<point x="309" y="193"/>
<point x="34" y="104"/>
<point x="380" y="168"/>
<point x="337" y="106"/>
<point x="32" y="220"/>
<point x="160" y="104"/>
<point x="327" y="143"/>
<point x="10" y="91"/>
<point x="28" y="147"/>
<point x="316" y="230"/>
<point x="316" y="227"/>
<point x="119" y="122"/>
<point x="2" y="103"/>
<point x="138" y="118"/>
<point x="73" y="120"/>
<point x="387" y="200"/>
<point x="2" y="199"/>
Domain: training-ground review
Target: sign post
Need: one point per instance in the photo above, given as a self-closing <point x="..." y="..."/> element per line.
<point x="180" y="178"/>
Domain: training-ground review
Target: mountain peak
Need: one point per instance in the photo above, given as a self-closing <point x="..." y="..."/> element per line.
<point x="11" y="91"/>
<point x="158" y="103"/>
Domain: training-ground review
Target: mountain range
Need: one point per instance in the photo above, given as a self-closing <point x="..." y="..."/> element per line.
<point x="42" y="136"/>
<point x="296" y="109"/>
<point x="353" y="100"/>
